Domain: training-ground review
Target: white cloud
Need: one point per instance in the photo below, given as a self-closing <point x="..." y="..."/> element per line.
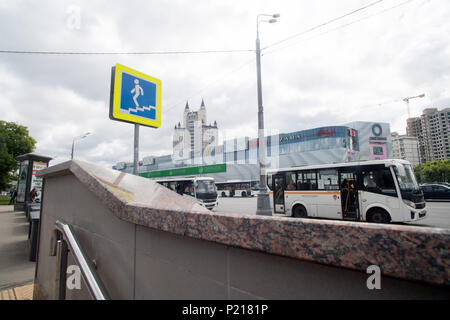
<point x="325" y="77"/>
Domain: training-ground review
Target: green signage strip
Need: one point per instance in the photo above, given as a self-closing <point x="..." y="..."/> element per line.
<point x="187" y="171"/>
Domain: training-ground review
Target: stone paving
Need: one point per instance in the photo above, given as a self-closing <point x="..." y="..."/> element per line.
<point x="16" y="271"/>
<point x="18" y="293"/>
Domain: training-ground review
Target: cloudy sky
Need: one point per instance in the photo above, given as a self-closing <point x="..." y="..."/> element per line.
<point x="317" y="70"/>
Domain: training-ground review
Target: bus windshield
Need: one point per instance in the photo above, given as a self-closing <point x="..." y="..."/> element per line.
<point x="405" y="177"/>
<point x="206" y="187"/>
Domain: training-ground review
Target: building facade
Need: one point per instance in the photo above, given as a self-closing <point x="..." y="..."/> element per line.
<point x="195" y="134"/>
<point x="414" y="129"/>
<point x="405" y="147"/>
<point x="332" y="144"/>
<point x="432" y="129"/>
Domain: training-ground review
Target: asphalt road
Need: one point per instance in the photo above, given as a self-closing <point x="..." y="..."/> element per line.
<point x="438" y="213"/>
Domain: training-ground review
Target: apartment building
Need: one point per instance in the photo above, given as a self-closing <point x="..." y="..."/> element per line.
<point x="432" y="129"/>
<point x="405" y="147"/>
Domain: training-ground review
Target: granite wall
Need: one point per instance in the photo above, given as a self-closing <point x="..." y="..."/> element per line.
<point x="150" y="243"/>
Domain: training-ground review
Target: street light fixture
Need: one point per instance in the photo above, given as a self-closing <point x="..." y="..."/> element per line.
<point x="78" y="138"/>
<point x="263" y="202"/>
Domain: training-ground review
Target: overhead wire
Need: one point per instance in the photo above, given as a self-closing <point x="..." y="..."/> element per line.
<point x="339" y="27"/>
<point x="322" y="24"/>
<point x="122" y="53"/>
<point x="208" y="85"/>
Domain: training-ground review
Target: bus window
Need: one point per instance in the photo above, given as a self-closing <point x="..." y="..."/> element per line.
<point x="328" y="179"/>
<point x="290" y="181"/>
<point x="172" y="185"/>
<point x="306" y="180"/>
<point x="179" y="188"/>
<point x="206" y="186"/>
<point x="189" y="189"/>
<point x="378" y="180"/>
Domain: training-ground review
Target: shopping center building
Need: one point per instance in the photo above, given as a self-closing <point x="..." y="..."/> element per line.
<point x="354" y="141"/>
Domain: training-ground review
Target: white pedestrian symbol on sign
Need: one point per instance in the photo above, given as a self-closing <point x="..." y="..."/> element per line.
<point x="138" y="89"/>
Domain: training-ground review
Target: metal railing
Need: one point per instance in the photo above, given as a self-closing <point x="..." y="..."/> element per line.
<point x="63" y="240"/>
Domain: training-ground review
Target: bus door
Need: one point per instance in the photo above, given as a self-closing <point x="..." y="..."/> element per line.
<point x="349" y="195"/>
<point x="278" y="193"/>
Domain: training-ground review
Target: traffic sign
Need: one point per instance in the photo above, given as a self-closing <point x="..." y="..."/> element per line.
<point x="135" y="97"/>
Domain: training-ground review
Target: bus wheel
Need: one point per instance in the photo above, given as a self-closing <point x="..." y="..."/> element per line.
<point x="379" y="216"/>
<point x="243" y="194"/>
<point x="223" y="194"/>
<point x="299" y="211"/>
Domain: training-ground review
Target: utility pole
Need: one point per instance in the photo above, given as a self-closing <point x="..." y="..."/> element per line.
<point x="263" y="201"/>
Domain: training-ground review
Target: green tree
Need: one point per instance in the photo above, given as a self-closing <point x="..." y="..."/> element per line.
<point x="14" y="141"/>
<point x="433" y="171"/>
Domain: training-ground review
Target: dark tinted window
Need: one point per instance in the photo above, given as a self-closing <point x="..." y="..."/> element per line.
<point x="378" y="180"/>
<point x="306" y="180"/>
<point x="439" y="188"/>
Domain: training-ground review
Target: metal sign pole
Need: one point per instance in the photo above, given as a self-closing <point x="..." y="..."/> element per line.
<point x="135" y="98"/>
<point x="136" y="149"/>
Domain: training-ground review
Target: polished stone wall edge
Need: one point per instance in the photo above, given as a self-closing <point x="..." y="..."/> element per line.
<point x="407" y="252"/>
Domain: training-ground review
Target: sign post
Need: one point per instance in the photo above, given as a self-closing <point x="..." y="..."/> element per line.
<point x="135" y="98"/>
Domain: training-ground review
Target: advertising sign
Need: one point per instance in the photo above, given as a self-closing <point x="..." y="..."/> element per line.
<point x="215" y="168"/>
<point x="181" y="145"/>
<point x="36" y="182"/>
<point x="21" y="186"/>
<point x="135" y="97"/>
<point x="378" y="151"/>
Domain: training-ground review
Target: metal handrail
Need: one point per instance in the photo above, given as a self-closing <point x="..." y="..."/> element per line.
<point x="95" y="286"/>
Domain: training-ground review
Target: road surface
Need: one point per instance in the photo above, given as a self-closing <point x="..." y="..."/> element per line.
<point x="438" y="213"/>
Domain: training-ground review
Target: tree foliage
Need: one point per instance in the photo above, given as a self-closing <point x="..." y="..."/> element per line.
<point x="14" y="141"/>
<point x="434" y="171"/>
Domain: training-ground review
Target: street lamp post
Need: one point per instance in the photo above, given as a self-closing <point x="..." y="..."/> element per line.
<point x="263" y="202"/>
<point x="418" y="142"/>
<point x="78" y="138"/>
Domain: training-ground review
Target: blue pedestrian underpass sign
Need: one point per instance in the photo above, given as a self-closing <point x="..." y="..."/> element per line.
<point x="135" y="97"/>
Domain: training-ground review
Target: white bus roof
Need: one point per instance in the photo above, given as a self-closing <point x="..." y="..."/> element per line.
<point x="169" y="179"/>
<point x="342" y="164"/>
<point x="236" y="181"/>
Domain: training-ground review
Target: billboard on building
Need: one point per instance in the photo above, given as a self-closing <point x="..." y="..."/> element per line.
<point x="374" y="139"/>
<point x="181" y="145"/>
<point x="378" y="151"/>
<point x="210" y="137"/>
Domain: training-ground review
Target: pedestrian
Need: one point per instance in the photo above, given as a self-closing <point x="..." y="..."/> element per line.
<point x="33" y="194"/>
<point x="13" y="195"/>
